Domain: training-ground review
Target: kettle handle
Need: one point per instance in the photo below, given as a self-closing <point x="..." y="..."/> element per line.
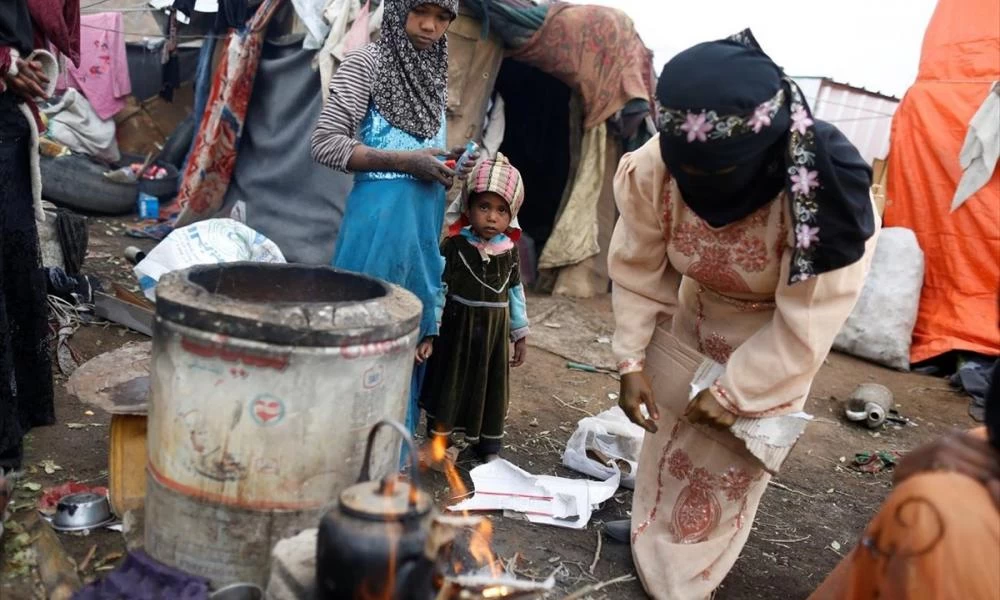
<point x="414" y="471"/>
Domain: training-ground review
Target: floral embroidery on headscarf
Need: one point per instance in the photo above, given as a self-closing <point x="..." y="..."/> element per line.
<point x="709" y="125"/>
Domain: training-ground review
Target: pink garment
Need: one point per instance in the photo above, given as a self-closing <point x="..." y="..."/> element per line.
<point x="103" y="72"/>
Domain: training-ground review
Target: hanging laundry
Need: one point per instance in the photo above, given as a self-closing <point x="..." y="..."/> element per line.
<point x="233" y="14"/>
<point x="102" y="75"/>
<point x="210" y="165"/>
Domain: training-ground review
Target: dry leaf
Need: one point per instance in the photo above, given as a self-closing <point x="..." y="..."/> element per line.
<point x="31" y="486"/>
<point x="76" y="425"/>
<point x="50" y="467"/>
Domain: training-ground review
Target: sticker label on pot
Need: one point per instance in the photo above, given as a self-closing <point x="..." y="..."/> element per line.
<point x="267" y="410"/>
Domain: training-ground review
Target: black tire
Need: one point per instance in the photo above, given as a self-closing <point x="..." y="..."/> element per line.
<point x="77" y="182"/>
<point x="176" y="148"/>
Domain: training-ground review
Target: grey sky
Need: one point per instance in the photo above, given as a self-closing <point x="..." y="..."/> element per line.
<point x="869" y="43"/>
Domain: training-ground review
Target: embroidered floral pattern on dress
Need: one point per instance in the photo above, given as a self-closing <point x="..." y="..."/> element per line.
<point x="717" y="348"/>
<point x="631" y="365"/>
<point x="642" y="527"/>
<point x="718" y="252"/>
<point x="697" y="511"/>
<point x="723" y="397"/>
<point x="708" y="125"/>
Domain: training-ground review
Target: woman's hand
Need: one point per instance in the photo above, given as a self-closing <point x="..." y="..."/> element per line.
<point x="424" y="350"/>
<point x="30" y="82"/>
<point x="469" y="165"/>
<point x="706" y="409"/>
<point x="636" y="392"/>
<point x="520" y="352"/>
<point x="957" y="452"/>
<point x="426" y="166"/>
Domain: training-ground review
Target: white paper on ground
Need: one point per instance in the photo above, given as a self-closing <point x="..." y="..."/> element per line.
<point x="769" y="439"/>
<point x="543" y="499"/>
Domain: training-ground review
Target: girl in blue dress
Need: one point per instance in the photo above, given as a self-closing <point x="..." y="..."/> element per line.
<point x="385" y="122"/>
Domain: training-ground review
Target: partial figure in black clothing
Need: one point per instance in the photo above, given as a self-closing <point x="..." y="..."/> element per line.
<point x="25" y="362"/>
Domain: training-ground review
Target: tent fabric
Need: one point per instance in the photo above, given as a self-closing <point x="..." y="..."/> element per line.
<point x="289" y="198"/>
<point x="473" y="64"/>
<point x="574" y="238"/>
<point x="515" y="21"/>
<point x="960" y="300"/>
<point x="596" y="50"/>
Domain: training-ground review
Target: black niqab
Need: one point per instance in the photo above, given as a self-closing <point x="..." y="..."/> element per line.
<point x="735" y="131"/>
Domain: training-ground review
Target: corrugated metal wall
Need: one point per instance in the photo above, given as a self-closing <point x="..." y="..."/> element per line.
<point x="864" y="117"/>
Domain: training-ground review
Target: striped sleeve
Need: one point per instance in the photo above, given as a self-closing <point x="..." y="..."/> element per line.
<point x="334" y="140"/>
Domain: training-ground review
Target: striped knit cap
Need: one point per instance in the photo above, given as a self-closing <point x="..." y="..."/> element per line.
<point x="495" y="175"/>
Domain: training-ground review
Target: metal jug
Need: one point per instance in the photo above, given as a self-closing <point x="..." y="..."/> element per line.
<point x="371" y="542"/>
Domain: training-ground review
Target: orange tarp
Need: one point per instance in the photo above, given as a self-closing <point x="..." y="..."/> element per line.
<point x="960" y="302"/>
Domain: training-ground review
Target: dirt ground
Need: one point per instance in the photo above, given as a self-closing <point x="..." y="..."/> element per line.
<point x="808" y="520"/>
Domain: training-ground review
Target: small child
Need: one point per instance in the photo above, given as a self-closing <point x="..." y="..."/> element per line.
<point x="466" y="388"/>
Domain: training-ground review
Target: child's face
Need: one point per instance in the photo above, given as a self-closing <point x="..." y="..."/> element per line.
<point x="425" y="25"/>
<point x="489" y="215"/>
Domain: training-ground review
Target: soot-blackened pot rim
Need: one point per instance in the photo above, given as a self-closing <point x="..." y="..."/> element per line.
<point x="391" y="316"/>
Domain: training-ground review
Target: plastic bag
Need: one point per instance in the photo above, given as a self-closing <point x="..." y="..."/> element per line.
<point x="880" y="327"/>
<point x="210" y="242"/>
<point x="603" y="444"/>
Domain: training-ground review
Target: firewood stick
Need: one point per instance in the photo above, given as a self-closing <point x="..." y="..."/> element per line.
<point x="55" y="568"/>
<point x="596" y="587"/>
<point x="597" y="553"/>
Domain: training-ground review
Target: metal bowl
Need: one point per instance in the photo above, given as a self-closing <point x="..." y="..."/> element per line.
<point x="82" y="511"/>
<point x="238" y="591"/>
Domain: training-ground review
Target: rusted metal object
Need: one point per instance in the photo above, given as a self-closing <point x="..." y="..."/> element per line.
<point x="869" y="403"/>
<point x="266" y="380"/>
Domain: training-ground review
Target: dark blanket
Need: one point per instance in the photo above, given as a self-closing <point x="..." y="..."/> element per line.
<point x="289" y="198"/>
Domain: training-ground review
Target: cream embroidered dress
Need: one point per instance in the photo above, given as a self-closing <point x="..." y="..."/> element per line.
<point x="724" y="292"/>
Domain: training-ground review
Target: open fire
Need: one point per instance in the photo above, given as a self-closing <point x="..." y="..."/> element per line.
<point x="489" y="581"/>
<point x="383" y="540"/>
<point x="482" y="536"/>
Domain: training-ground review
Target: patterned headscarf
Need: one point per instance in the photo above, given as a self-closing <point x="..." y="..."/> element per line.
<point x="735" y="131"/>
<point x="411" y="86"/>
<point x="495" y="175"/>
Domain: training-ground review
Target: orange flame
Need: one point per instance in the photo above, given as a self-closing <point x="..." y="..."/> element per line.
<point x="482" y="536"/>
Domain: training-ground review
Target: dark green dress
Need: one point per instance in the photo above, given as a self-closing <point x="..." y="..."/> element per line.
<point x="466" y="386"/>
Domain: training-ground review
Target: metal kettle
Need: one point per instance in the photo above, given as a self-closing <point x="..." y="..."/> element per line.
<point x="371" y="542"/>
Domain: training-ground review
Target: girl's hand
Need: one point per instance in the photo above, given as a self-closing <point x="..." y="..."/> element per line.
<point x="30" y="82"/>
<point x="470" y="164"/>
<point x="635" y="392"/>
<point x="958" y="452"/>
<point x="520" y="352"/>
<point x="424" y="350"/>
<point x="706" y="409"/>
<point x="425" y="165"/>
